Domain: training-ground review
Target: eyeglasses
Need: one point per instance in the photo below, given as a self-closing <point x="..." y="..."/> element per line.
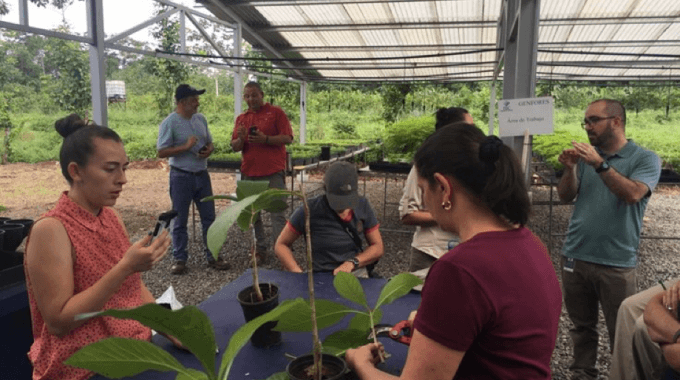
<point x="594" y="120"/>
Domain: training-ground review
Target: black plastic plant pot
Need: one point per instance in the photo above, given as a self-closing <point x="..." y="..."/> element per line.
<point x="14" y="235"/>
<point x="3" y="220"/>
<point x="252" y="308"/>
<point x="332" y="368"/>
<point x="27" y="223"/>
<point x="325" y="153"/>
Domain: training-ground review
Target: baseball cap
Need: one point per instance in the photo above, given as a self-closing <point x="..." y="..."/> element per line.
<point x="185" y="91"/>
<point x="341" y="181"/>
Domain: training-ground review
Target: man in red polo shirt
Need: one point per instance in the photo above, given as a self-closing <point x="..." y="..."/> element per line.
<point x="262" y="133"/>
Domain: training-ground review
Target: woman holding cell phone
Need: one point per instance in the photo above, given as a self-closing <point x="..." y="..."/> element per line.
<point x="79" y="258"/>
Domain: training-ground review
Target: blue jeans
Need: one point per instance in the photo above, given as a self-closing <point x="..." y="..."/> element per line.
<point x="185" y="188"/>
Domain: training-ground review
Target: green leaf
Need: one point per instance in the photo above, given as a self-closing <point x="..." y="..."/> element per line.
<point x="241" y="336"/>
<point x="276" y="205"/>
<point x="362" y="321"/>
<point x="246" y="188"/>
<point x="350" y="288"/>
<point x="279" y="376"/>
<point x="192" y="375"/>
<point x="299" y="318"/>
<point x="214" y="197"/>
<point x="217" y="233"/>
<point x="397" y="286"/>
<point x="189" y="325"/>
<point x="246" y="218"/>
<point x="341" y="341"/>
<point x="120" y="357"/>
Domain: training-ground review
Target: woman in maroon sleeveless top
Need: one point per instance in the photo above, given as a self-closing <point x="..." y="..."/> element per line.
<point x="79" y="258"/>
<point x="491" y="305"/>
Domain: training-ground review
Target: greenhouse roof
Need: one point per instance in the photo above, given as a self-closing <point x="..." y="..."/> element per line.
<point x="458" y="40"/>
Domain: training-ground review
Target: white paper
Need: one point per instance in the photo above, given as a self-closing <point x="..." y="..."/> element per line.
<point x="517" y="115"/>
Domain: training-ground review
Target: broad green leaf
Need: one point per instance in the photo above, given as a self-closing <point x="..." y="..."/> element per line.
<point x="397" y="286"/>
<point x="241" y="336"/>
<point x="246" y="218"/>
<point x="189" y="325"/>
<point x="350" y="288"/>
<point x="217" y="233"/>
<point x="247" y="188"/>
<point x="279" y="376"/>
<point x="299" y="318"/>
<point x="341" y="341"/>
<point x="362" y="321"/>
<point x="120" y="357"/>
<point x="215" y="197"/>
<point x="276" y="205"/>
<point x="192" y="375"/>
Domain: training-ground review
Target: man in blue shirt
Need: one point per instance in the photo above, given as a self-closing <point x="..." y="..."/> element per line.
<point x="612" y="179"/>
<point x="184" y="137"/>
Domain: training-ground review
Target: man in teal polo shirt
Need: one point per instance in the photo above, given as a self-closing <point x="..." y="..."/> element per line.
<point x="612" y="179"/>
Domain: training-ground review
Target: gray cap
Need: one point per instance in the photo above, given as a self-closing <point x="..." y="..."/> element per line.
<point x="341" y="181"/>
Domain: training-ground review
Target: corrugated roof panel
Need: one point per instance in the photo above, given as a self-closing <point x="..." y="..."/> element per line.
<point x="638" y="32"/>
<point x="368" y="13"/>
<point x="559" y="9"/>
<point x="458" y="10"/>
<point x="672" y="32"/>
<point x="302" y="38"/>
<point x="417" y="36"/>
<point x="657" y="8"/>
<point x="326" y="14"/>
<point x="340" y="37"/>
<point x="380" y="37"/>
<point x="412" y="11"/>
<point x="599" y="8"/>
<point x="669" y="50"/>
<point x="282" y="15"/>
<point x="492" y="10"/>
<point x="592" y="32"/>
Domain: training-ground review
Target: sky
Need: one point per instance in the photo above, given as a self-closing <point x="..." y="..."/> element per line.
<point x="119" y="15"/>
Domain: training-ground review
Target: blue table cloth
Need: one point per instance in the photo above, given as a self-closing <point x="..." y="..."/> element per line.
<point x="225" y="313"/>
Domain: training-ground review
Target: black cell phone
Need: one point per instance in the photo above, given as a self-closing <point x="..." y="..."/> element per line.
<point x="205" y="147"/>
<point x="163" y="222"/>
<point x="253" y="130"/>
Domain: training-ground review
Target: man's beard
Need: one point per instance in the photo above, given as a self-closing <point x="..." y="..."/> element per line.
<point x="605" y="136"/>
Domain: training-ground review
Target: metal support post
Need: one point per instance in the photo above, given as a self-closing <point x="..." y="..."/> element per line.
<point x="95" y="29"/>
<point x="303" y="113"/>
<point x="238" y="73"/>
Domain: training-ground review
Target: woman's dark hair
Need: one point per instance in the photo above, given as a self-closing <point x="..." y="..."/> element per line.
<point x="78" y="143"/>
<point x="485" y="166"/>
<point x="446" y="116"/>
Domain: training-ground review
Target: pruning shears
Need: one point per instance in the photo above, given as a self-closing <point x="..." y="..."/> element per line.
<point x="400" y="332"/>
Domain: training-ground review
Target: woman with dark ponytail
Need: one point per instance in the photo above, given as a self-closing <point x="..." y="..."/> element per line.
<point x="79" y="258"/>
<point x="490" y="306"/>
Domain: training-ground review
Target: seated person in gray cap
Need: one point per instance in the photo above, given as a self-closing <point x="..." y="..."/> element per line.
<point x="338" y="219"/>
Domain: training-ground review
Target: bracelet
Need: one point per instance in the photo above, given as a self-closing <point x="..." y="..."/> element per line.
<point x="676" y="336"/>
<point x="266" y="140"/>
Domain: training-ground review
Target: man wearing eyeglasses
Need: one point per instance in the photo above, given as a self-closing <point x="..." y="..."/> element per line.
<point x="612" y="179"/>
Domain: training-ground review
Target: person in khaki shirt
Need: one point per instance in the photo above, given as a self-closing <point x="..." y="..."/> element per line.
<point x="429" y="241"/>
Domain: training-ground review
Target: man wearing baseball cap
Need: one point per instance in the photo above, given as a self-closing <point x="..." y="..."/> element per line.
<point x="184" y="137"/>
<point x="339" y="219"/>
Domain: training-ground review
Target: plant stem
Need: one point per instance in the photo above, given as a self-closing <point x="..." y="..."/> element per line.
<point x="256" y="281"/>
<point x="310" y="282"/>
<point x="375" y="336"/>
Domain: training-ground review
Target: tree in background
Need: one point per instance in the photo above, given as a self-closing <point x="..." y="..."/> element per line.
<point x="171" y="73"/>
<point x="394" y="99"/>
<point x="69" y="63"/>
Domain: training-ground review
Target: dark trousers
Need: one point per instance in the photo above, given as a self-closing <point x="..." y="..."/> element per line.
<point x="584" y="289"/>
<point x="186" y="188"/>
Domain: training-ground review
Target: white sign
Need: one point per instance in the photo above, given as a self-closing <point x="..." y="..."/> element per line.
<point x="517" y="115"/>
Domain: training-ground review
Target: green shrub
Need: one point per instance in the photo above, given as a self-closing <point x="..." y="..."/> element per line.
<point x="405" y="136"/>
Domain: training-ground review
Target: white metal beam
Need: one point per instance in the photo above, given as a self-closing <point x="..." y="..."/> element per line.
<point x="95" y="29"/>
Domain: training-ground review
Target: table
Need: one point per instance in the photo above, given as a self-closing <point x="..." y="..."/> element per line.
<point x="225" y="313"/>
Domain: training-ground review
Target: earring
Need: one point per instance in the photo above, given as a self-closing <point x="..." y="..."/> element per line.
<point x="446" y="205"/>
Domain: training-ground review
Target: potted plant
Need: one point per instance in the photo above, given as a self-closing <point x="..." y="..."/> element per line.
<point x="251" y="198"/>
<point x="189" y="325"/>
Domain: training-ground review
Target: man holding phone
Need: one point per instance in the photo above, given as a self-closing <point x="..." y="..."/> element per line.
<point x="262" y="133"/>
<point x="184" y="137"/>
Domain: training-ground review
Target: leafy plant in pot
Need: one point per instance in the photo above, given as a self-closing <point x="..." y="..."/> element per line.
<point x="251" y="198"/>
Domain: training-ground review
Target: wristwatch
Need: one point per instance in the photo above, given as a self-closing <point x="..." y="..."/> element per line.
<point x="604" y="166"/>
<point x="354" y="261"/>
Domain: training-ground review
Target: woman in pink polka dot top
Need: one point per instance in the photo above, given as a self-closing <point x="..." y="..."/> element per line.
<point x="79" y="258"/>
